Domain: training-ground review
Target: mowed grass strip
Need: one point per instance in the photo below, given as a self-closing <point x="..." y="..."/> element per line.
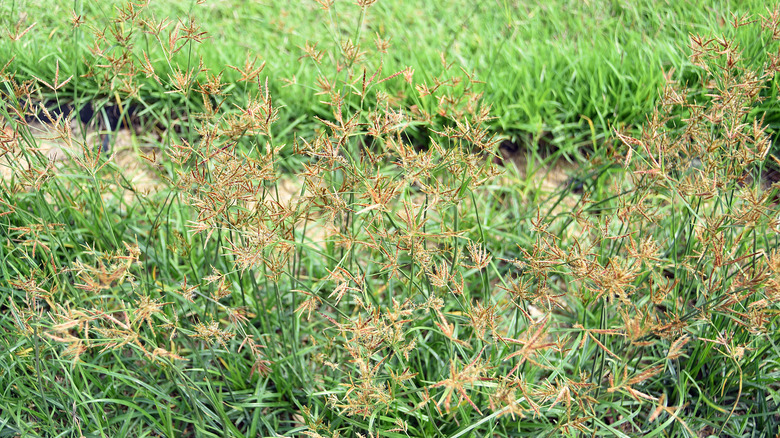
<point x="563" y="72"/>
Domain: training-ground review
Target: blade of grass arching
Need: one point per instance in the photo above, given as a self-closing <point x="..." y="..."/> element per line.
<point x="4" y="424"/>
<point x="218" y="403"/>
<point x="22" y="386"/>
<point x="206" y="416"/>
<point x="153" y="422"/>
<point x="166" y="414"/>
<point x="188" y="398"/>
<point x="27" y="421"/>
<point x="84" y="387"/>
<point x="467" y="429"/>
<point x="39" y="368"/>
<point x="257" y="405"/>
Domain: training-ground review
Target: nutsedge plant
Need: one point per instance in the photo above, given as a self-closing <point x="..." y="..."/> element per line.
<point x="374" y="277"/>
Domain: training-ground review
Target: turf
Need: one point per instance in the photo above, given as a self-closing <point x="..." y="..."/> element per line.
<point x="550" y="70"/>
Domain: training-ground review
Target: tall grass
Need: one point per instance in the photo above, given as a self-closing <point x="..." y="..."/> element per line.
<point x="386" y="287"/>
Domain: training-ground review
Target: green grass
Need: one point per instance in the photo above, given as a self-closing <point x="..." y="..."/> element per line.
<point x="405" y="284"/>
<point x="549" y="69"/>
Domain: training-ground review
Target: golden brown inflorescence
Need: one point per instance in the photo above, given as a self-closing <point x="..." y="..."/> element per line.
<point x="404" y="302"/>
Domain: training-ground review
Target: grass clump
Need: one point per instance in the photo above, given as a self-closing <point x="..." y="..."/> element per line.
<point x="356" y="282"/>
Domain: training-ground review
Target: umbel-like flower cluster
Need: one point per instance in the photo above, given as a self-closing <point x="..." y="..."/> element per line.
<point x="373" y="268"/>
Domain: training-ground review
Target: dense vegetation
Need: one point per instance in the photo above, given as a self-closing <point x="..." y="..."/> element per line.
<point x="373" y="219"/>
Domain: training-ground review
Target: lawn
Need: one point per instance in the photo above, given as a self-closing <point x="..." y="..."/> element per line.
<point x="423" y="219"/>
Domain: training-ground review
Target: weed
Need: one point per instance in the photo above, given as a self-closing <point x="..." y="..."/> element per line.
<point x="397" y="289"/>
